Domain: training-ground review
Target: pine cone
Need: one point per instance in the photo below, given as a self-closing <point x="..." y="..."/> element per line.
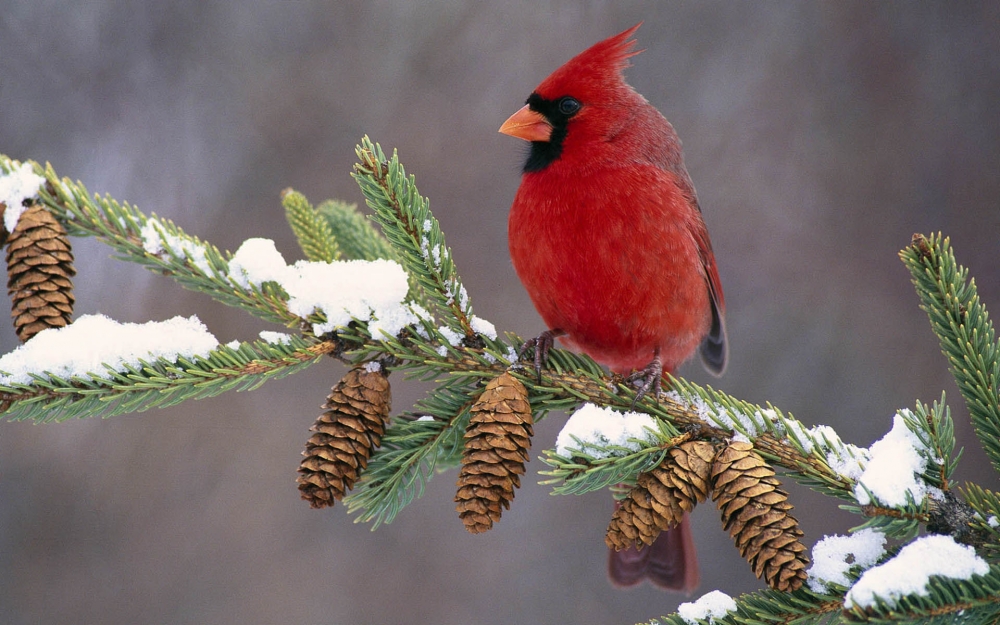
<point x="39" y="273"/>
<point x="756" y="513"/>
<point x="662" y="496"/>
<point x="352" y="426"/>
<point x="496" y="448"/>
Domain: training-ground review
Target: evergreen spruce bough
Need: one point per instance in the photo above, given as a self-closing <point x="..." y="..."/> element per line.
<point x="445" y="347"/>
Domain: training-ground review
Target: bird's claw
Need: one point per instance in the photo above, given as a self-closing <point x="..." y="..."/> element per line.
<point x="646" y="380"/>
<point x="542" y="344"/>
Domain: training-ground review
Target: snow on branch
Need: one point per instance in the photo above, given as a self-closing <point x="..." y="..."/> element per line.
<point x="372" y="292"/>
<point x="16" y="186"/>
<point x="909" y="571"/>
<point x="94" y="343"/>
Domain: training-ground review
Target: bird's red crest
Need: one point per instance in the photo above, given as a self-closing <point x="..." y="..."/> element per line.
<point x="601" y="62"/>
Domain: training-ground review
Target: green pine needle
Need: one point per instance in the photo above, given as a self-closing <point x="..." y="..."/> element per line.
<point x="354" y="232"/>
<point x="770" y="607"/>
<point x="585" y="473"/>
<point x="414" y="234"/>
<point x="986" y="503"/>
<point x="975" y="600"/>
<point x="312" y="231"/>
<point x="964" y="330"/>
<point x="158" y="383"/>
<point x="191" y="262"/>
<point x="412" y="449"/>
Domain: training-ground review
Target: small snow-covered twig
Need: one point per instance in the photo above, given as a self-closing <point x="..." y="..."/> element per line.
<point x="909" y="572"/>
<point x="710" y="606"/>
<point x="834" y="556"/>
<point x="593" y="427"/>
<point x="370" y="291"/>
<point x="94" y="342"/>
<point x="15" y="187"/>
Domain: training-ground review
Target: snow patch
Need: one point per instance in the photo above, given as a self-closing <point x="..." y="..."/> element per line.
<point x="597" y="425"/>
<point x="454" y="338"/>
<point x="709" y="606"/>
<point x="909" y="572"/>
<point x="370" y="291"/>
<point x="893" y="472"/>
<point x="156" y="241"/>
<point x="257" y="261"/>
<point x="833" y="557"/>
<point x="484" y="327"/>
<point x="92" y="341"/>
<point x="276" y="338"/>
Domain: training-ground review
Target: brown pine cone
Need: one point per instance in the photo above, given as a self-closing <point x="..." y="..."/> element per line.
<point x="347" y="432"/>
<point x="756" y="513"/>
<point x="496" y="448"/>
<point x="39" y="273"/>
<point x="662" y="496"/>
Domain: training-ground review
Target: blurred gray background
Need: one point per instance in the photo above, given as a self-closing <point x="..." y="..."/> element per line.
<point x="820" y="136"/>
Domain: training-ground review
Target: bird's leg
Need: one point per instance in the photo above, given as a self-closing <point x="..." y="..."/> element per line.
<point x="648" y="379"/>
<point x="542" y="344"/>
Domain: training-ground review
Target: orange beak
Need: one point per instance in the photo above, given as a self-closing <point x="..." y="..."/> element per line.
<point x="528" y="125"/>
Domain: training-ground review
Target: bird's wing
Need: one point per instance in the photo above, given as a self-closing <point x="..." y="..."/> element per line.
<point x="714" y="348"/>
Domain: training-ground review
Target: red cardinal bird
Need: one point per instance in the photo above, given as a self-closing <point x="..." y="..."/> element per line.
<point x="606" y="234"/>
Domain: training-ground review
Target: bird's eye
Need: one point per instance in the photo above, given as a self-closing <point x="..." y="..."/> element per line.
<point x="569" y="106"/>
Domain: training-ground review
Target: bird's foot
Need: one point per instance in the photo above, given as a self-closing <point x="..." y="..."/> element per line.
<point x="647" y="380"/>
<point x="542" y="344"/>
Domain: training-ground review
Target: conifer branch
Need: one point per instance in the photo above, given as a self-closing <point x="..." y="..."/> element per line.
<point x="313" y="232"/>
<point x="946" y="601"/>
<point x="414" y="233"/>
<point x="460" y="353"/>
<point x="806" y="454"/>
<point x="419" y="443"/>
<point x="985" y="524"/>
<point x="606" y="465"/>
<point x="159" y="245"/>
<point x="975" y="600"/>
<point x="936" y="430"/>
<point x="158" y="383"/>
<point x="901" y="522"/>
<point x="964" y="330"/>
<point x="356" y="237"/>
<point x="771" y="607"/>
